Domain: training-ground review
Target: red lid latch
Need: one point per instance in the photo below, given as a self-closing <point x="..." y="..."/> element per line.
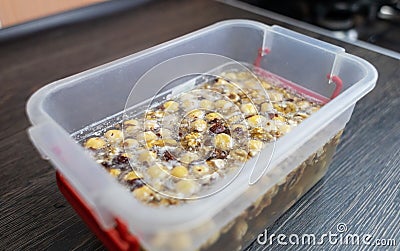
<point x="261" y="52"/>
<point x="338" y="82"/>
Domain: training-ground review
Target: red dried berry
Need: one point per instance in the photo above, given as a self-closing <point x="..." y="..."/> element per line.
<point x="167" y="156"/>
<point x="272" y="115"/>
<point x="120" y="159"/>
<point x="218" y="154"/>
<point x="105" y="164"/>
<point x="238" y="130"/>
<point x="135" y="183"/>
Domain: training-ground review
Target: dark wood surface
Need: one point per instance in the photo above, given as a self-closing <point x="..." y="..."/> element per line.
<point x="361" y="188"/>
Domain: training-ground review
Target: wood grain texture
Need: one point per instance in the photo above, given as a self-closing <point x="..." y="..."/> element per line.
<point x="361" y="188"/>
<point x="13" y="12"/>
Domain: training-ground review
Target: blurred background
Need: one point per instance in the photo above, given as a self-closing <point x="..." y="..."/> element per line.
<point x="13" y="12"/>
<point x="374" y="21"/>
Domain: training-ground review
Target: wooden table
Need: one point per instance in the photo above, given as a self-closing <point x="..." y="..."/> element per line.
<point x="361" y="188"/>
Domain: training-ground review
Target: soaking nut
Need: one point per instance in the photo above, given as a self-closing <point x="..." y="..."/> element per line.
<point x="212" y="116"/>
<point x="261" y="134"/>
<point x="147" y="156"/>
<point x="143" y="193"/>
<point x="149" y="136"/>
<point x="132" y="130"/>
<point x="284" y="128"/>
<point x="165" y="132"/>
<point x="314" y="109"/>
<point x="240" y="229"/>
<point x="179" y="171"/>
<point x="266" y="85"/>
<point x="200" y="170"/>
<point x="290" y="107"/>
<point x="129" y="143"/>
<point x="131" y="176"/>
<point x="256" y="120"/>
<point x="186" y="187"/>
<point x="275" y="96"/>
<point x="159" y="114"/>
<point x="169" y="142"/>
<point x="255" y="145"/>
<point x="206" y="104"/>
<point x="248" y="109"/>
<point x="222" y="104"/>
<point x="221" y="81"/>
<point x="199" y="125"/>
<point x="188" y="104"/>
<point x="158" y="142"/>
<point x="223" y="141"/>
<point x="279" y="117"/>
<point x="156" y="172"/>
<point x="114" y="172"/>
<point x="235" y="119"/>
<point x="171" y="106"/>
<point x="197" y="131"/>
<point x="151" y="125"/>
<point x="217" y="163"/>
<point x="266" y="107"/>
<point x="195" y="114"/>
<point x="131" y="122"/>
<point x="113" y="135"/>
<point x="239" y="154"/>
<point x="95" y="143"/>
<point x="192" y="141"/>
<point x="181" y="242"/>
<point x="233" y="97"/>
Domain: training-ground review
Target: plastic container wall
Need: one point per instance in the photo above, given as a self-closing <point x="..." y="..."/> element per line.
<point x="226" y="40"/>
<point x="91" y="96"/>
<point x="98" y="94"/>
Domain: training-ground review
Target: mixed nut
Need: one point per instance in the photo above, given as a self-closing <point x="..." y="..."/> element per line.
<point x="274" y="202"/>
<point x="178" y="148"/>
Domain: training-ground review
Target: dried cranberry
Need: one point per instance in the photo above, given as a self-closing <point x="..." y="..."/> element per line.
<point x="238" y="130"/>
<point x="218" y="154"/>
<point x="218" y="127"/>
<point x="105" y="164"/>
<point x="216" y="120"/>
<point x="168" y="156"/>
<point x="135" y="183"/>
<point x="120" y="159"/>
<point x="272" y="115"/>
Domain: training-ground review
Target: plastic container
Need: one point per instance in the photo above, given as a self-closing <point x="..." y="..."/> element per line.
<point x="233" y="217"/>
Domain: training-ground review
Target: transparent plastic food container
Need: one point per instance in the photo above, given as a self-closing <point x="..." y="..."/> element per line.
<point x="233" y="217"/>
